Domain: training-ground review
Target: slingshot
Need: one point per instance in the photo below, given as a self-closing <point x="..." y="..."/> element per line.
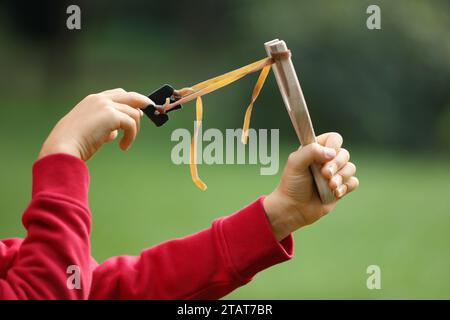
<point x="168" y="99"/>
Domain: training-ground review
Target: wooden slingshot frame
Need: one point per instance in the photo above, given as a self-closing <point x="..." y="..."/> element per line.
<point x="279" y="56"/>
<point x="298" y="111"/>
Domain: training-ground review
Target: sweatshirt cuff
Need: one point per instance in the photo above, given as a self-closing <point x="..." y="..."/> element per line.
<point x="61" y="174"/>
<point x="248" y="241"/>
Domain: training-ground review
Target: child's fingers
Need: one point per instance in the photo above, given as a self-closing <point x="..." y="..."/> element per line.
<point x="347" y="171"/>
<point x="306" y="155"/>
<point x="333" y="166"/>
<point x="340" y="191"/>
<point x="352" y="184"/>
<point x="129" y="127"/>
<point x="342" y="175"/>
<point x="335" y="181"/>
<point x="331" y="140"/>
<point x="133" y="99"/>
<point x="113" y="135"/>
<point x="344" y="189"/>
<point x="136" y="114"/>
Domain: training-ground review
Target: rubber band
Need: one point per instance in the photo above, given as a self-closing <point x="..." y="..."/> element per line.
<point x="197" y="91"/>
<point x="193" y="150"/>
<point x="256" y="90"/>
<point x="221" y="81"/>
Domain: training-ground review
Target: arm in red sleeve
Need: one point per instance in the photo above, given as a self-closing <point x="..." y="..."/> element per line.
<point x="58" y="226"/>
<point x="206" y="265"/>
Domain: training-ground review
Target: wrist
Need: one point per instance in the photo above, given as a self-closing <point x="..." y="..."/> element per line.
<point x="281" y="215"/>
<point x="54" y="148"/>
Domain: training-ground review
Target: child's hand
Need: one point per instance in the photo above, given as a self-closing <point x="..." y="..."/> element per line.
<point x="295" y="203"/>
<point x="95" y="121"/>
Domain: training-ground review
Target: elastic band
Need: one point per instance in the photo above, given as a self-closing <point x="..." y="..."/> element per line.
<point x="193" y="155"/>
<point x="197" y="91"/>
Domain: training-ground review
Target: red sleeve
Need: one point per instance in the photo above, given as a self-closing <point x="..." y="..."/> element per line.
<point x="58" y="226"/>
<point x="206" y="265"/>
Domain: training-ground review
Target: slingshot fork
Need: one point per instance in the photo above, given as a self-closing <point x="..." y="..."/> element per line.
<point x="298" y="111"/>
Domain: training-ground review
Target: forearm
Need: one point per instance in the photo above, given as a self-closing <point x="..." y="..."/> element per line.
<point x="206" y="265"/>
<point x="58" y="226"/>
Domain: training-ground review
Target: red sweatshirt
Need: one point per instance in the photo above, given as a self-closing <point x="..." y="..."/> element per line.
<point x="206" y="265"/>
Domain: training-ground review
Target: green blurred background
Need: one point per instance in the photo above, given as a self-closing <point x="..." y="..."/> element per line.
<point x="386" y="91"/>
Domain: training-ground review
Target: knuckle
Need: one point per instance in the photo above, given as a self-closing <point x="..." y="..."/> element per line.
<point x="314" y="147"/>
<point x="98" y="98"/>
<point x="127" y="121"/>
<point x="133" y="93"/>
<point x="110" y="111"/>
<point x="91" y="97"/>
<point x="339" y="136"/>
<point x="292" y="158"/>
<point x="345" y="154"/>
<point x="136" y="114"/>
<point x="352" y="167"/>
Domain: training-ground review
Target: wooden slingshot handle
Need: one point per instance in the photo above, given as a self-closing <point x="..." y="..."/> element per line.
<point x="298" y="111"/>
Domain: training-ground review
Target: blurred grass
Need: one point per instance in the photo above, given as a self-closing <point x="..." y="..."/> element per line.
<point x="382" y="90"/>
<point x="398" y="219"/>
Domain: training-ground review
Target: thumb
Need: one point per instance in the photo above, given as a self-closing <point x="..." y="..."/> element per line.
<point x="306" y="155"/>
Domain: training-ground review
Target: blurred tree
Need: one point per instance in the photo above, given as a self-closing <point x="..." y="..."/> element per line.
<point x="42" y="25"/>
<point x="385" y="87"/>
